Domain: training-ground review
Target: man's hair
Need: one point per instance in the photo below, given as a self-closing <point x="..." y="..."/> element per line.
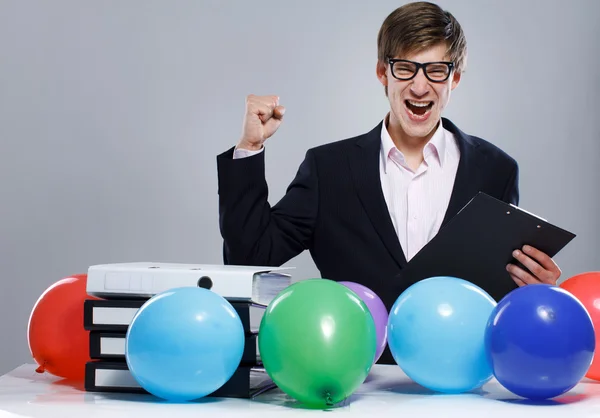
<point x="418" y="26"/>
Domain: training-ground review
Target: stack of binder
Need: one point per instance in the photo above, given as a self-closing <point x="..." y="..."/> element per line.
<point x="108" y="319"/>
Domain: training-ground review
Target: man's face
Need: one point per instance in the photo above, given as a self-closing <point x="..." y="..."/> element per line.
<point x="417" y="104"/>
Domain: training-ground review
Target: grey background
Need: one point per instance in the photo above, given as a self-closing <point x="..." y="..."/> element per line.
<point x="112" y="114"/>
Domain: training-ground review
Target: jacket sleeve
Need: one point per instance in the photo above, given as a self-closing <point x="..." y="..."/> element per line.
<point x="255" y="233"/>
<point x="511" y="191"/>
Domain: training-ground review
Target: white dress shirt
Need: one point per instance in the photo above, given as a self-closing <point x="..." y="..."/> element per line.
<point x="417" y="201"/>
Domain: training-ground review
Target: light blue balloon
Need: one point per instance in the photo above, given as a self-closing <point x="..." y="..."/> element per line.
<point x="436" y="333"/>
<point x="184" y="344"/>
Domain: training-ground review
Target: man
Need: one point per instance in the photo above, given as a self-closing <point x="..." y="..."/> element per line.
<point x="365" y="206"/>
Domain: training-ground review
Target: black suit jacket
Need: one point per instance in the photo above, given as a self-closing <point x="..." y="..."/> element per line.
<point x="335" y="208"/>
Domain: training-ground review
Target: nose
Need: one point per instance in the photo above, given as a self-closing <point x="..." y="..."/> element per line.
<point x="420" y="84"/>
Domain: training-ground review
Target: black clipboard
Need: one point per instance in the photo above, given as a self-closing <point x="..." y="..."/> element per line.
<point x="477" y="244"/>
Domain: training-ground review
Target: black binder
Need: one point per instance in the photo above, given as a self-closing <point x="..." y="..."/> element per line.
<point x="106" y="376"/>
<point x="100" y="351"/>
<point x="122" y="312"/>
<point x="477" y="244"/>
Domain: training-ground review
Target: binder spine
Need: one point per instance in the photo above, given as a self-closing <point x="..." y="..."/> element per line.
<point x="250" y="356"/>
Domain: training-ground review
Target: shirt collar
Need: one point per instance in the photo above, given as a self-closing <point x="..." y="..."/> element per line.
<point x="436" y="145"/>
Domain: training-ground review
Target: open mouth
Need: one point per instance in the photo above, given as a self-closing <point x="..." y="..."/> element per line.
<point x="418" y="108"/>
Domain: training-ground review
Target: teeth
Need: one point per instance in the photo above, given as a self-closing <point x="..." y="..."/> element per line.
<point x="419" y="104"/>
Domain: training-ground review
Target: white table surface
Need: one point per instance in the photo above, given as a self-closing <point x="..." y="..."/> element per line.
<point x="387" y="392"/>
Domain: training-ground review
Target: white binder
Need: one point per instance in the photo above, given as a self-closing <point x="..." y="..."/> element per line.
<point x="258" y="284"/>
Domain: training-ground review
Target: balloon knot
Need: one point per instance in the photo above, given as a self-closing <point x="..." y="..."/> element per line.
<point x="40" y="369"/>
<point x="328" y="399"/>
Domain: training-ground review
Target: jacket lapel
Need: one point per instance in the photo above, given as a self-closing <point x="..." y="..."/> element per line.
<point x="468" y="176"/>
<point x="364" y="165"/>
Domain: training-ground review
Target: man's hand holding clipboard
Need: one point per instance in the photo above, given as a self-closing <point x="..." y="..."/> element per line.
<point x="479" y="245"/>
<point x="538" y="267"/>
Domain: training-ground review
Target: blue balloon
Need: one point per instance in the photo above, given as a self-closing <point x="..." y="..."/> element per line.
<point x="436" y="334"/>
<point x="540" y="341"/>
<point x="184" y="344"/>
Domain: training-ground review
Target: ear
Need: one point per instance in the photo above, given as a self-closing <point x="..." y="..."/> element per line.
<point x="381" y="71"/>
<point x="455" y="80"/>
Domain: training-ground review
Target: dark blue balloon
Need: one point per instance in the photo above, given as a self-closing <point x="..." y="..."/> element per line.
<point x="539" y="341"/>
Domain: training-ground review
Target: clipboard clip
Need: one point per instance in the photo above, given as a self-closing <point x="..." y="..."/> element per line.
<point x="527" y="212"/>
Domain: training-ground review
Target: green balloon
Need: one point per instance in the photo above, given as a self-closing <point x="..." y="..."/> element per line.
<point x="317" y="342"/>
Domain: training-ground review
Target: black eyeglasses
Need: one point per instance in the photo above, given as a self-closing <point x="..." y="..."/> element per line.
<point x="436" y="72"/>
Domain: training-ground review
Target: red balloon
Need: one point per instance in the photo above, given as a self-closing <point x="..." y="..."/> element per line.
<point x="57" y="340"/>
<point x="586" y="288"/>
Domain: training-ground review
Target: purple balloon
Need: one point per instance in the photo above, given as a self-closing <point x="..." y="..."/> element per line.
<point x="378" y="312"/>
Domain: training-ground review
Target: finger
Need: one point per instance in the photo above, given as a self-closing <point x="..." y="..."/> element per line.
<point x="273" y="124"/>
<point x="521" y="274"/>
<point x="542" y="258"/>
<point x="270" y="101"/>
<point x="518" y="281"/>
<point x="275" y="100"/>
<point x="278" y="112"/>
<point x="268" y="114"/>
<point x="538" y="271"/>
<point x="265" y="107"/>
<point x="263" y="111"/>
